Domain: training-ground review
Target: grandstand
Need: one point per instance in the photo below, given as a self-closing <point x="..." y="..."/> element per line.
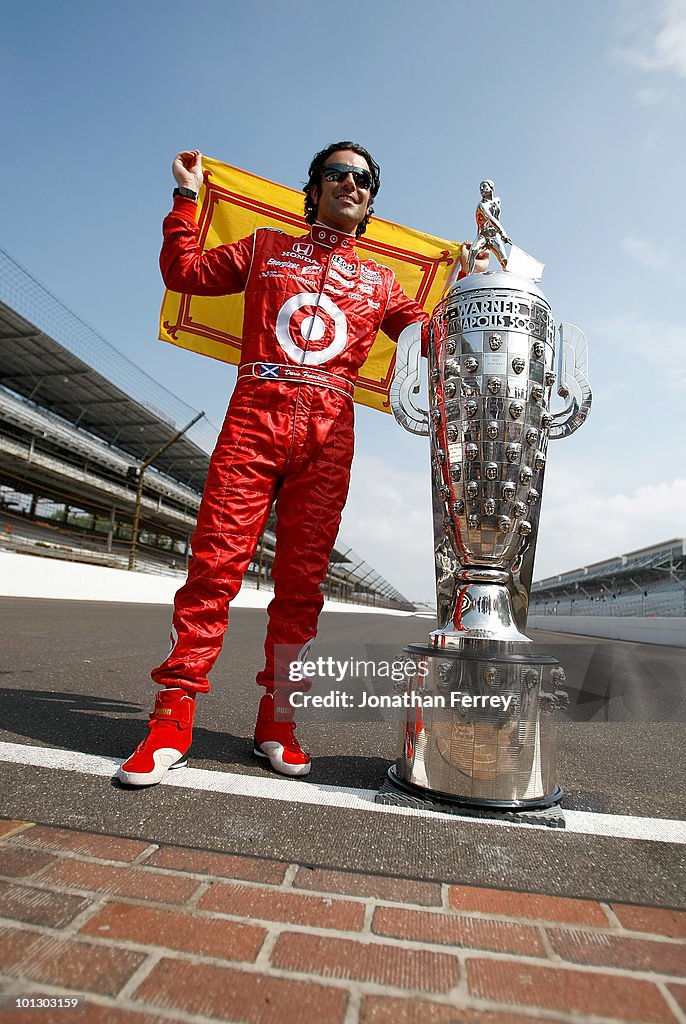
<point x="648" y="582"/>
<point x="79" y="422"/>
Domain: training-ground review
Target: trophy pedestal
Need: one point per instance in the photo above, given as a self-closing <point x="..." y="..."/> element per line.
<point x="483" y="611"/>
<point x="477" y="734"/>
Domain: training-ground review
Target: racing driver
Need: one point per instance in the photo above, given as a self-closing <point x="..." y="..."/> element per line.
<point x="313" y="307"/>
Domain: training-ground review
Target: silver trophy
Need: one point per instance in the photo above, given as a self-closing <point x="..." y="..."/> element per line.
<point x="492" y="369"/>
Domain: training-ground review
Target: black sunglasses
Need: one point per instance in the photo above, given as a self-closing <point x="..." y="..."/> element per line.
<point x="339" y="172"/>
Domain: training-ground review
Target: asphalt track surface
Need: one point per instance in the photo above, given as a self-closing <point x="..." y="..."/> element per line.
<point x="74" y="677"/>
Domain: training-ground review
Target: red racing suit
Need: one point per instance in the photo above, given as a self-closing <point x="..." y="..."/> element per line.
<point x="312" y="310"/>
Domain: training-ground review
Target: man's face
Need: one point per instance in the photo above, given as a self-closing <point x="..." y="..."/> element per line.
<point x="342" y="204"/>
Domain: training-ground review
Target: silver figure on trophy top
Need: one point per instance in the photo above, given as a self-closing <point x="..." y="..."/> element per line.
<point x="492" y="367"/>
<point x="492" y="235"/>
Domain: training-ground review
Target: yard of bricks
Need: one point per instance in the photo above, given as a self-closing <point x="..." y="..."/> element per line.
<point x="151" y="933"/>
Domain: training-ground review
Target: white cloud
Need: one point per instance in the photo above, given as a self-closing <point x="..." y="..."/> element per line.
<point x="645" y="254"/>
<point x="651" y="97"/>
<point x="579" y="527"/>
<point x="659" y="45"/>
<point x="389" y="515"/>
<point x="662" y="343"/>
<point x="667" y="258"/>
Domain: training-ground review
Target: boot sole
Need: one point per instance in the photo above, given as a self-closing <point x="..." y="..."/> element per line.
<point x="161" y="759"/>
<point x="282" y="767"/>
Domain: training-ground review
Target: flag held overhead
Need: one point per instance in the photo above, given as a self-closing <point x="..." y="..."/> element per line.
<point x="231" y="205"/>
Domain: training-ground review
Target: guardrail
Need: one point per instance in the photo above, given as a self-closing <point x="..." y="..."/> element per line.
<point x="667" y="631"/>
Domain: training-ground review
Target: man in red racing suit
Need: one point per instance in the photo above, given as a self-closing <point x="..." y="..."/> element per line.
<point x="312" y="310"/>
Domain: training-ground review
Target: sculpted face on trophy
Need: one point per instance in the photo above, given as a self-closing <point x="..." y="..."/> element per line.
<point x="490" y="676"/>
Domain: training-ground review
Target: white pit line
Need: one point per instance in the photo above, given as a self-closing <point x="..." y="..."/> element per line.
<point x="269" y="787"/>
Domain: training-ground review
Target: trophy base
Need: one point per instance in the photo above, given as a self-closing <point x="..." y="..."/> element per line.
<point x="477" y="728"/>
<point x="397" y="792"/>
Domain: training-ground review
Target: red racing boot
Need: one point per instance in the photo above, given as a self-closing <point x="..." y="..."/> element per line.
<point x="165" y="746"/>
<point x="276" y="741"/>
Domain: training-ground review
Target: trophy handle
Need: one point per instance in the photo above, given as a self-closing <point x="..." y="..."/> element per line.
<point x="572" y="372"/>
<point x="406" y="381"/>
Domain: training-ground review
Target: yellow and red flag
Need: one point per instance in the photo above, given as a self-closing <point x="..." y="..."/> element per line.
<point x="232" y="203"/>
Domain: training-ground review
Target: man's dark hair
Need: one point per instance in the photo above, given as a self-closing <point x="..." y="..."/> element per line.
<point x="315" y="180"/>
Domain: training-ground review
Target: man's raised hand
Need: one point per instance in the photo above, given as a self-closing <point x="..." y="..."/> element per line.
<point x="187" y="169"/>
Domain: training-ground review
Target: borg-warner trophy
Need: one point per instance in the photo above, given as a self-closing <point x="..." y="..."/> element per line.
<point x="492" y="368"/>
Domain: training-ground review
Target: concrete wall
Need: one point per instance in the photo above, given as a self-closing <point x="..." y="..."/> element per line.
<point x="669" y="631"/>
<point x="32" y="576"/>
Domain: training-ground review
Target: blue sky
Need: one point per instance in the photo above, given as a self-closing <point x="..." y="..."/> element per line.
<point x="575" y="110"/>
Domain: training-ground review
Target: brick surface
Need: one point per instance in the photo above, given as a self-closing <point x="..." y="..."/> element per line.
<point x="679" y="993"/>
<point x="425" y="894"/>
<point x="38" y="906"/>
<point x="528" y="905"/>
<point x="8" y="825"/>
<point x="390" y="1010"/>
<point x="449" y="929"/>
<point x="192" y="933"/>
<point x="61" y="840"/>
<point x="568" y="991"/>
<point x="421" y="969"/>
<point x="76" y="966"/>
<point x="224" y="865"/>
<point x="121" y="881"/>
<point x="668" y="923"/>
<point x="587" y="983"/>
<point x="14" y="944"/>
<point x="233" y="995"/>
<point x="18" y="863"/>
<point x="279" y="905"/>
<point x="612" y="950"/>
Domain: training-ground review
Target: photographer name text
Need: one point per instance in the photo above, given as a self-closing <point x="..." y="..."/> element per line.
<point x="344" y="699"/>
